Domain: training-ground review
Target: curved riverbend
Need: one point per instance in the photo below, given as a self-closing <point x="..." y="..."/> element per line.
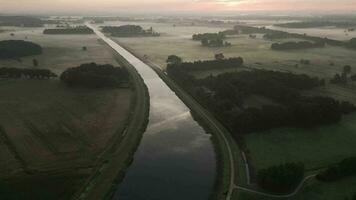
<point x="176" y="158"/>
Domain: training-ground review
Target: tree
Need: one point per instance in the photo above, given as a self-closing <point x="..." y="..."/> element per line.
<point x="219" y="56"/>
<point x="84" y="48"/>
<point x="174" y="60"/>
<point x="347" y="69"/>
<point x="35" y="62"/>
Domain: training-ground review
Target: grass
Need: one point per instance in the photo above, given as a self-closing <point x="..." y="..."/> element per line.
<point x="317" y="148"/>
<point x="55" y="134"/>
<point x="256" y="52"/>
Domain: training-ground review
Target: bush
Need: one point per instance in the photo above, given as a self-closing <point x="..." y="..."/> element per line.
<point x="282" y="178"/>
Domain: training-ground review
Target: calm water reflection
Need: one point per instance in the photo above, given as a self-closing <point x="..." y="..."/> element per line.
<point x="175" y="159"/>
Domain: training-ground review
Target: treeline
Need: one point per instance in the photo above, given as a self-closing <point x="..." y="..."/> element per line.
<point x="275" y="34"/>
<point x="20" y="21"/>
<point x="10" y="49"/>
<point x="72" y="30"/>
<point x="345" y="168"/>
<point x="209" y="36"/>
<point x="282" y="178"/>
<point x="9" y="72"/>
<point x="208" y="64"/>
<point x="129" y="31"/>
<point x="224" y="96"/>
<point x="92" y="75"/>
<point x="211" y="39"/>
<point x="314" y="24"/>
<point x="296" y="45"/>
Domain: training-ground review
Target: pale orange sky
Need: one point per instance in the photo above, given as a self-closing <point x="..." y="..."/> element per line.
<point x="175" y="5"/>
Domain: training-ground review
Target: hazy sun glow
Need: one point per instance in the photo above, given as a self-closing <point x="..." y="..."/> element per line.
<point x="176" y="5"/>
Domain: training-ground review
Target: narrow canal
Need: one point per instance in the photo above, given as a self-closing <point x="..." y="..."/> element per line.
<point x="176" y="158"/>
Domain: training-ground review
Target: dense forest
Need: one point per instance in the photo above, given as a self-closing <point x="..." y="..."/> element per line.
<point x="282" y="178"/>
<point x="225" y="94"/>
<point x="10" y="72"/>
<point x="296" y="45"/>
<point x="211" y="39"/>
<point x="314" y="24"/>
<point x="10" y="49"/>
<point x="129" y="31"/>
<point x="72" y="30"/>
<point x="92" y="75"/>
<point x="21" y="21"/>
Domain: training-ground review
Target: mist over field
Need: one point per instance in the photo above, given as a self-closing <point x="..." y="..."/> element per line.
<point x="178" y="99"/>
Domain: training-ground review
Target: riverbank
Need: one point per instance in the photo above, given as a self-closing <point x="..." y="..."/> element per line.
<point x="230" y="165"/>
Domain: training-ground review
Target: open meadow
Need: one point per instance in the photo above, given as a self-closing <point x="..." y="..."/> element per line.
<point x="50" y="134"/>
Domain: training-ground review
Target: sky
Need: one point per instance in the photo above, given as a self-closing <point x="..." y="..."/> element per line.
<point x="175" y="5"/>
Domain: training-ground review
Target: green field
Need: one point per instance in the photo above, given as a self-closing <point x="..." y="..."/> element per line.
<point x="51" y="135"/>
<point x="313" y="190"/>
<point x="317" y="148"/>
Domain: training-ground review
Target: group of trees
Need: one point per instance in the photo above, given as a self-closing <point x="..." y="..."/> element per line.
<point x="129" y="31"/>
<point x="296" y="45"/>
<point x="345" y="168"/>
<point x="92" y="75"/>
<point x="205" y="64"/>
<point x="211" y="39"/>
<point x="224" y="96"/>
<point x="21" y="21"/>
<point x="352" y="43"/>
<point x="282" y="178"/>
<point x="10" y="72"/>
<point x="343" y="78"/>
<point x="10" y="49"/>
<point x="276" y="34"/>
<point x="314" y="24"/>
<point x="71" y="30"/>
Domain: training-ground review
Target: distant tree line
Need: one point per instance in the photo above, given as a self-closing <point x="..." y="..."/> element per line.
<point x="346" y="168"/>
<point x="21" y="21"/>
<point x="92" y="75"/>
<point x="211" y="39"/>
<point x="282" y="178"/>
<point x="296" y="45"/>
<point x="129" y="31"/>
<point x="10" y="72"/>
<point x="314" y="24"/>
<point x="71" y="30"/>
<point x="276" y="34"/>
<point x="224" y="96"/>
<point x="208" y="64"/>
<point x="18" y="48"/>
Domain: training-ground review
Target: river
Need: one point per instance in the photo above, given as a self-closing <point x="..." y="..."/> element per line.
<point x="175" y="159"/>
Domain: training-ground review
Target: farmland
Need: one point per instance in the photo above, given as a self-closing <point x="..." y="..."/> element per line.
<point x="318" y="147"/>
<point x="51" y="135"/>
